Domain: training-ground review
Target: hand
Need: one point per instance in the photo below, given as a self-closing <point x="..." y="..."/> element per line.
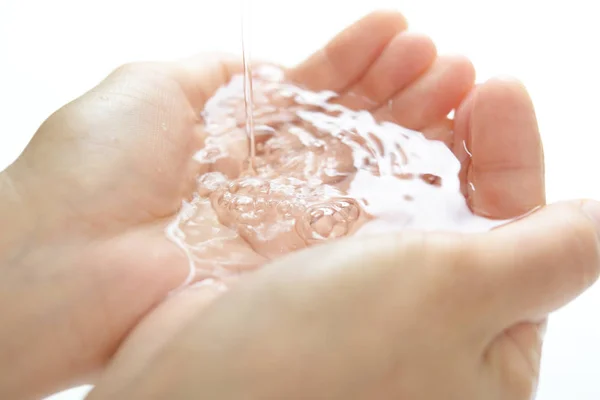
<point x="495" y="122"/>
<point x="94" y="189"/>
<point x="88" y="199"/>
<point x="406" y="316"/>
<point x="403" y="80"/>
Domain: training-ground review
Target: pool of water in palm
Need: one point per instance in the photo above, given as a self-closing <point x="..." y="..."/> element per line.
<point x="321" y="172"/>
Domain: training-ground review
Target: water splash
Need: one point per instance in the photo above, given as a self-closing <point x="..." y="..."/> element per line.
<point x="321" y="172"/>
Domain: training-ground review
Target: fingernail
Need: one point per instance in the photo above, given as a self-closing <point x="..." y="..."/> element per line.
<point x="592" y="209"/>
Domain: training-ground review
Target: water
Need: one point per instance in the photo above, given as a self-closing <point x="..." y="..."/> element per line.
<point x="320" y="172"/>
<point x="248" y="91"/>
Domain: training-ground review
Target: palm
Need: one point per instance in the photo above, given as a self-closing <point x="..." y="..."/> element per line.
<point x="128" y="149"/>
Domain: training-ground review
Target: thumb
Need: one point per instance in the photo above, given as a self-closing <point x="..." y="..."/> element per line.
<point x="539" y="263"/>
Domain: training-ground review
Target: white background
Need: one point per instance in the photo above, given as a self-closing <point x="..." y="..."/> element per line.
<point x="52" y="51"/>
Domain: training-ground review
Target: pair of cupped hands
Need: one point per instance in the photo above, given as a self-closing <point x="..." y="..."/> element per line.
<point x="86" y="269"/>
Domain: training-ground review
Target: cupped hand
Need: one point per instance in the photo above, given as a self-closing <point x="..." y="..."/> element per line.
<point x="404" y="316"/>
<point x="400" y="78"/>
<point x="494" y="133"/>
<point x="93" y="191"/>
<point x="378" y="65"/>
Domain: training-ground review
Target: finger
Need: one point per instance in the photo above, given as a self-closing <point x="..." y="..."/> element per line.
<point x="442" y="130"/>
<point x="430" y="98"/>
<point x="405" y="58"/>
<point x="347" y="57"/>
<point x="538" y="264"/>
<point x="497" y="125"/>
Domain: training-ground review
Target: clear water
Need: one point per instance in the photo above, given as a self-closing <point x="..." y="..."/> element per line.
<point x="321" y="172"/>
<point x="248" y="90"/>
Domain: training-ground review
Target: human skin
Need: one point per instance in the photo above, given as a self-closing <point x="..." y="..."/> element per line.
<point x="404" y="316"/>
<point x="83" y="255"/>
